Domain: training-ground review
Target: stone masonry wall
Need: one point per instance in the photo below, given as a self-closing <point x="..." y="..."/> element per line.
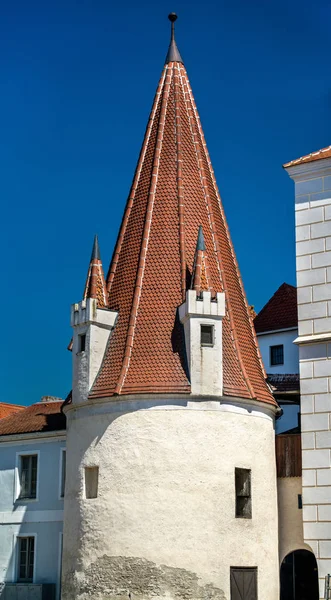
<point x="313" y="256"/>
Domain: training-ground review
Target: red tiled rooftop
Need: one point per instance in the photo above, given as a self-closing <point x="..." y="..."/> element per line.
<point x="174" y="191"/>
<point x="280" y="312"/>
<point x="9" y="409"/>
<point x="42" y="416"/>
<point x="318" y="155"/>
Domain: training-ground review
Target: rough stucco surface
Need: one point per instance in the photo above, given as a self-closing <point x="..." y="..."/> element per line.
<point x="163" y="525"/>
<point x="117" y="576"/>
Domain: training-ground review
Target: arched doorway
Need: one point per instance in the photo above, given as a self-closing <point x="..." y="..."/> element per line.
<point x="299" y="576"/>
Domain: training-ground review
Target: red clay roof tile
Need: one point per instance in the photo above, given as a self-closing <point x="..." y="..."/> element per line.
<point x="43" y="416"/>
<point x="173" y="192"/>
<point x="318" y="155"/>
<point x="9" y="409"/>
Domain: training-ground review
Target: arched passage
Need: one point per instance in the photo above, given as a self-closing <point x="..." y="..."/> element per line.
<point x="299" y="576"/>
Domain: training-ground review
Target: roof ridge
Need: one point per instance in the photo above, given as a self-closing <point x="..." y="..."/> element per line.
<point x="144" y="243"/>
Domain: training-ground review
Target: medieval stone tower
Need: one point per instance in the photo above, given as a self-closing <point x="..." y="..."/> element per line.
<point x="171" y="482"/>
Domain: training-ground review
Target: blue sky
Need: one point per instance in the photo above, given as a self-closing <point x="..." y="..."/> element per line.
<point x="76" y="86"/>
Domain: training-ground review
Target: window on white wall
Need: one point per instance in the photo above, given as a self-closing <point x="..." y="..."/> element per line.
<point x="63" y="473"/>
<point x="276" y="355"/>
<point x="28" y="473"/>
<point x="91" y="482"/>
<point x="243" y="493"/>
<point x="26" y="557"/>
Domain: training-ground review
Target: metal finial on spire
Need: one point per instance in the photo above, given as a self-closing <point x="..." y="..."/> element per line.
<point x="173" y="52"/>
<point x="95" y="250"/>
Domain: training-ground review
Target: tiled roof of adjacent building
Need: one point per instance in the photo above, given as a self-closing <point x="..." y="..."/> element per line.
<point x="287" y="382"/>
<point x="9" y="409"/>
<point x="174" y="191"/>
<point x="42" y="416"/>
<point x="280" y="312"/>
<point x="318" y="155"/>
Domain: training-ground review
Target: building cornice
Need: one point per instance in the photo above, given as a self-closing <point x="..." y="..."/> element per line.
<point x="133" y="402"/>
<point x="312" y="339"/>
<point x="310" y="170"/>
<point x="277" y="331"/>
<point x="39" y="436"/>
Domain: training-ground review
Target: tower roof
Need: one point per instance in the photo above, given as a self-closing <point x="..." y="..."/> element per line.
<point x="95" y="286"/>
<point x="174" y="191"/>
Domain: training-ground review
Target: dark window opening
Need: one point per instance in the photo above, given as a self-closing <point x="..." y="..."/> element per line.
<point x="300" y="501"/>
<point x="28" y="476"/>
<point x="207" y="335"/>
<point x="276" y="355"/>
<point x="25" y="559"/>
<point x="243" y="493"/>
<point x="82" y="343"/>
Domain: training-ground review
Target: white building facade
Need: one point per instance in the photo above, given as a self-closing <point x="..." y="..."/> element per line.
<point x="32" y="479"/>
<point x="312" y="177"/>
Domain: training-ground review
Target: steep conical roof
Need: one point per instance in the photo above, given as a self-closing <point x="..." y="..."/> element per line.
<point x="173" y="192"/>
<point x="95" y="286"/>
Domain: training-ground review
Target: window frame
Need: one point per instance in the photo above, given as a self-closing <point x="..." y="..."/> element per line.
<point x="16" y="573"/>
<point x="242" y="495"/>
<point x="271" y="348"/>
<point x="212" y="327"/>
<point x="89" y="469"/>
<point x="62" y="462"/>
<point x="18" y="487"/>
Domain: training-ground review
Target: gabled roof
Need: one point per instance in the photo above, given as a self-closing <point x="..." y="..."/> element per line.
<point x="280" y="312"/>
<point x="9" y="409"/>
<point x="174" y="191"/>
<point x="42" y="416"/>
<point x="318" y="155"/>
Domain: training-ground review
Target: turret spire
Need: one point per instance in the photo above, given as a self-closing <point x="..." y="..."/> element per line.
<point x="95" y="286"/>
<point x="95" y="250"/>
<point x="173" y="52"/>
<point x="200" y="275"/>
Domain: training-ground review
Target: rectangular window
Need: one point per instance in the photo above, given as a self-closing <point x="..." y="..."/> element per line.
<point x="91" y="482"/>
<point x="28" y="471"/>
<point x="82" y="343"/>
<point x="207" y="335"/>
<point x="276" y="355"/>
<point x="26" y="547"/>
<point x="300" y="501"/>
<point x="63" y="472"/>
<point x="243" y="493"/>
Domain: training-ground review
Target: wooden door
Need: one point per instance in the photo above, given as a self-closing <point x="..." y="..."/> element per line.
<point x="243" y="583"/>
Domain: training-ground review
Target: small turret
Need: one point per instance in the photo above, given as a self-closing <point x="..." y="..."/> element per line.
<point x="92" y="322"/>
<point x="201" y="315"/>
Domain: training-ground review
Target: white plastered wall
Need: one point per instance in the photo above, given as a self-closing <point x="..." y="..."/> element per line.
<point x="313" y="261"/>
<point x="166" y="503"/>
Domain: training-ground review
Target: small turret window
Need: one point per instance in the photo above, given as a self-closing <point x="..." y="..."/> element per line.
<point x="81" y="343"/>
<point x="207" y="335"/>
<point x="243" y="493"/>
